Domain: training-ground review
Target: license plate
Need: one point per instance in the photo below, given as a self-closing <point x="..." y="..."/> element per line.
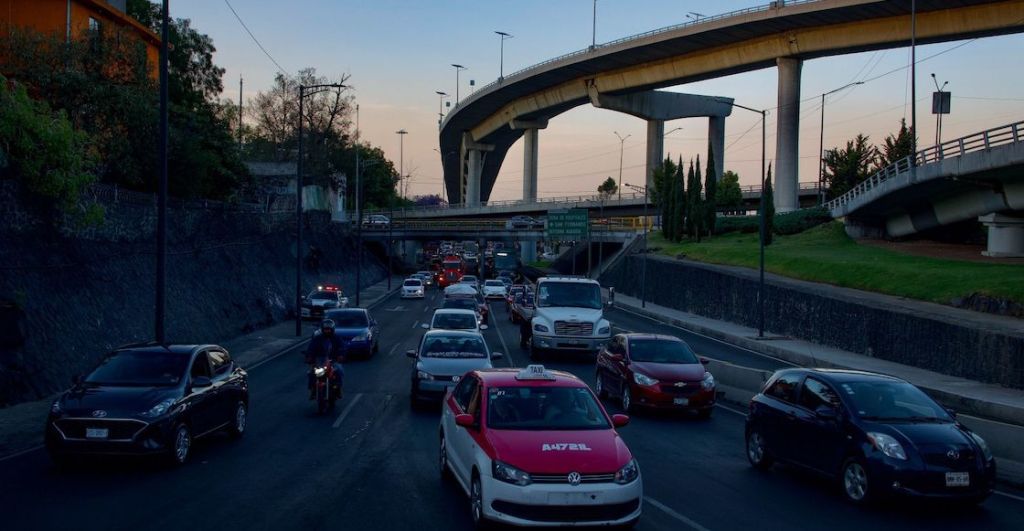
<point x="97" y="433"/>
<point x="574" y="498"/>
<point x="958" y="479"/>
<point x="681" y="401"/>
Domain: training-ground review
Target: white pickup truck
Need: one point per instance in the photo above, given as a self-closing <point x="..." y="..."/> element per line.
<point x="568" y="316"/>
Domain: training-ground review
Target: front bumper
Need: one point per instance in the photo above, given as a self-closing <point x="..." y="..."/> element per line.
<point x="593" y="504"/>
<point x="903" y="479"/>
<point x="549" y="342"/>
<point x="413" y="294"/>
<point x="691" y="397"/>
<point x="142" y="438"/>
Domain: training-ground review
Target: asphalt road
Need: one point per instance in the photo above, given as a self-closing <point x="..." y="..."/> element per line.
<point x="372" y="463"/>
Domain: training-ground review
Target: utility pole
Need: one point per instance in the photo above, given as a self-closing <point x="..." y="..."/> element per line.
<point x="913" y="89"/>
<point x="593" y="35"/>
<point x="240" y="109"/>
<point x="622" y="147"/>
<point x="161" y="219"/>
<point x="401" y="159"/>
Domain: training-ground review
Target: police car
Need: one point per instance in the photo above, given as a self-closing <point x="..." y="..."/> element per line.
<point x="534" y="447"/>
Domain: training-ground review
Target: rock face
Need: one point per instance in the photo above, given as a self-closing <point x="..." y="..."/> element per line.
<point x="987" y="348"/>
<point x="68" y="295"/>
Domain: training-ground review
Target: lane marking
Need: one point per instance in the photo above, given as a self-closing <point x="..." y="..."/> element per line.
<point x="715" y="339"/>
<point x="727" y="408"/>
<point x="497" y="328"/>
<point x="279" y="354"/>
<point x="347" y="409"/>
<point x="393" y="347"/>
<point x="21" y="453"/>
<point x="415" y="324"/>
<point x="425" y="308"/>
<point x="1008" y="495"/>
<point x="671" y="512"/>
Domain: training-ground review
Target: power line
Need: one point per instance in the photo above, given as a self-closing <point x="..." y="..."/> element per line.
<point x="257" y="41"/>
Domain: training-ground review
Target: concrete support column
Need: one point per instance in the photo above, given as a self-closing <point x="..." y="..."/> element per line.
<point x="474" y="170"/>
<point x="787" y="138"/>
<point x="530" y="158"/>
<point x="528" y="251"/>
<point x="716" y="136"/>
<point x="1005" y="236"/>
<point x="655" y="147"/>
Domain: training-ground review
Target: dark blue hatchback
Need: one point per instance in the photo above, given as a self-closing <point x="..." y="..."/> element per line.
<point x="876" y="434"/>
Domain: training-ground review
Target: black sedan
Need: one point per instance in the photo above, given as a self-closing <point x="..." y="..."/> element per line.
<point x="876" y="434"/>
<point x="149" y="399"/>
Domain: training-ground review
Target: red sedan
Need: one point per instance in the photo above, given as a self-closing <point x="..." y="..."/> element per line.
<point x="656" y="371"/>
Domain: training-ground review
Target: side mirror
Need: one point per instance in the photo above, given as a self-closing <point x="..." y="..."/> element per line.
<point x="497" y="355"/>
<point x="484" y="327"/>
<point x="465" y="420"/>
<point x="425" y="326"/>
<point x="620" y="420"/>
<point x="201" y="381"/>
<point x="410" y="353"/>
<point x="704" y="361"/>
<point x="951" y="411"/>
<point x="826" y="413"/>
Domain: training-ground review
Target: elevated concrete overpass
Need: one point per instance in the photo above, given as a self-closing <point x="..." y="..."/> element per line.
<point x="478" y="132"/>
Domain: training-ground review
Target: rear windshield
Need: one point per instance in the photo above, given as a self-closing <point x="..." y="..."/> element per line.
<point x="347" y="318"/>
<point x="329" y="295"/>
<point x="661" y="351"/>
<point x="494" y="283"/>
<point x="544" y="408"/>
<point x="130" y="368"/>
<point x="455" y="321"/>
<point x="462" y="304"/>
<point x="413" y="282"/>
<point x="440" y="346"/>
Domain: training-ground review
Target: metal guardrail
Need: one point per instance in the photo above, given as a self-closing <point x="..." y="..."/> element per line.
<point x="616" y="224"/>
<point x="809" y="186"/>
<point x="110" y="193"/>
<point x="590" y="49"/>
<point x="999" y="136"/>
<point x="627" y="199"/>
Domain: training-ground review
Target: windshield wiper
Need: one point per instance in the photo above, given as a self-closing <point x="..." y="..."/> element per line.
<point x="912" y="418"/>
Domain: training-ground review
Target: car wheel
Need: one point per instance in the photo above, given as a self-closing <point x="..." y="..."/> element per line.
<point x="476" y="503"/>
<point x="237" y="428"/>
<point x="181" y="445"/>
<point x="627" y="400"/>
<point x="599" y="387"/>
<point x="442" y="460"/>
<point x="855" y="482"/>
<point x="757" y="452"/>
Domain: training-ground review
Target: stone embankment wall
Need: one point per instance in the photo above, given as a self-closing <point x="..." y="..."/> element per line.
<point x="945" y="340"/>
<point x="69" y="294"/>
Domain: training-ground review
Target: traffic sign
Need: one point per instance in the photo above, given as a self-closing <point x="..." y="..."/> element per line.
<point x="568" y="224"/>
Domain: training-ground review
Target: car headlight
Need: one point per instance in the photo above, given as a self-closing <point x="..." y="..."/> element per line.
<point x="604" y="331"/>
<point x="160" y="408"/>
<point x="361" y="337"/>
<point x="55" y="407"/>
<point x="708" y="382"/>
<point x="628" y="473"/>
<point x="424" y="375"/>
<point x="888" y="445"/>
<point x="537" y="327"/>
<point x="985" y="450"/>
<point x="509" y="474"/>
<point x="643" y="379"/>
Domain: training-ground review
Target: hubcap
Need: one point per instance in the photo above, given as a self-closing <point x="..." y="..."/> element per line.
<point x="626" y="399"/>
<point x="599" y="386"/>
<point x="856" y="481"/>
<point x="477" y="501"/>
<point x="240" y="419"/>
<point x="755" y="447"/>
<point x="181" y="444"/>
<point x="443" y="456"/>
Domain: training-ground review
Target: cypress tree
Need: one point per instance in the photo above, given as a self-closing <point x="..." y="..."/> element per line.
<point x="694" y="202"/>
<point x="769" y="207"/>
<point x="710" y="192"/>
<point x="680" y="201"/>
<point x="667" y="198"/>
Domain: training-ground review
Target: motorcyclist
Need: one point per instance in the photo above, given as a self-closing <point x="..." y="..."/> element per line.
<point x="325" y="346"/>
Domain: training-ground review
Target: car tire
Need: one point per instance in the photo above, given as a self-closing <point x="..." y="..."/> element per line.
<point x="476" y="504"/>
<point x="181" y="445"/>
<point x="757" y="451"/>
<point x="855" y="482"/>
<point x="599" y="386"/>
<point x="442" y="460"/>
<point x="627" y="401"/>
<point x="238" y="424"/>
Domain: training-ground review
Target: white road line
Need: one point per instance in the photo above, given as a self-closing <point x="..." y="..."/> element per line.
<point x="21" y="453"/>
<point x="425" y="308"/>
<point x="731" y="410"/>
<point x="417" y="323"/>
<point x="497" y="328"/>
<point x="715" y="339"/>
<point x="393" y="347"/>
<point x="1007" y="495"/>
<point x="671" y="512"/>
<point x="348" y="408"/>
<point x="279" y="354"/>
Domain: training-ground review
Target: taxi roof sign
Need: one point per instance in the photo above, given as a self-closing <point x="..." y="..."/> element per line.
<point x="535" y="372"/>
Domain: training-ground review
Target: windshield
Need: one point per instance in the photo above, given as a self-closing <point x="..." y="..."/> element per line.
<point x="329" y="295"/>
<point x="892" y="401"/>
<point x="455" y="321"/>
<point x="570" y="294"/>
<point x="130" y="368"/>
<point x="469" y="278"/>
<point x="452" y="265"/>
<point x="347" y="319"/>
<point x="495" y="283"/>
<point x="413" y="282"/>
<point x="661" y="351"/>
<point x="462" y="304"/>
<point x="440" y="346"/>
<point x="544" y="408"/>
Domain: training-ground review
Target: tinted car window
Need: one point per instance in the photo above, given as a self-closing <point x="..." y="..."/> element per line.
<point x="441" y="346"/>
<point x="816" y="394"/>
<point x="464" y="391"/>
<point x="413" y="282"/>
<point x="328" y="295"/>
<point x="661" y="351"/>
<point x="455" y="321"/>
<point x="891" y="400"/>
<point x="784" y="388"/>
<point x="347" y="318"/>
<point x="462" y="304"/>
<point x="543" y="408"/>
<point x="200" y="367"/>
<point x="219" y="361"/>
<point x="130" y="368"/>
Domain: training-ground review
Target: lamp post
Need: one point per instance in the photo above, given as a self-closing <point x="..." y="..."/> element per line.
<point x="913" y="90"/>
<point x="401" y="159"/>
<point x="593" y="35"/>
<point x="304" y="90"/>
<point x="622" y="147"/>
<point x="161" y="219"/>
<point x="441" y="95"/>
<point x="694" y="16"/>
<point x="501" y="59"/>
<point x="938" y="113"/>
<point x="643" y="273"/>
<point x="821" y="141"/>
<point x="458" y="68"/>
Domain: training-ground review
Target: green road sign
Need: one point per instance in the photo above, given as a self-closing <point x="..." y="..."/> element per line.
<point x="572" y="224"/>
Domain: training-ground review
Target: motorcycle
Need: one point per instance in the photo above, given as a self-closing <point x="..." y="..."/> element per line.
<point x="328" y="391"/>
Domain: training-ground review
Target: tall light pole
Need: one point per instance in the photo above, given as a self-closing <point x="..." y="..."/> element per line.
<point x="622" y="147"/>
<point x="401" y="158"/>
<point x="913" y="89"/>
<point x="441" y="95"/>
<point x="821" y="141"/>
<point x="161" y="219"/>
<point x="593" y="35"/>
<point x="304" y="90"/>
<point x="938" y="112"/>
<point x="458" y="68"/>
<point x="694" y="16"/>
<point x="501" y="60"/>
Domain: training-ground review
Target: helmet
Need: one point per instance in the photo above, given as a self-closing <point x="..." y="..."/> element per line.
<point x="327" y="326"/>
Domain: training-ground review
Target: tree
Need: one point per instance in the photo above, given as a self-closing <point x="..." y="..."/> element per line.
<point x="768" y="198"/>
<point x="428" y="200"/>
<point x="729" y="195"/>
<point x="845" y="168"/>
<point x="695" y="221"/>
<point x="710" y="188"/>
<point x="679" y="202"/>
<point x="661" y="194"/>
<point x="607" y="189"/>
<point x="897" y="147"/>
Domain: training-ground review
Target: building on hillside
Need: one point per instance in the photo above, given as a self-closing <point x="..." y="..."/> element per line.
<point x="76" y="18"/>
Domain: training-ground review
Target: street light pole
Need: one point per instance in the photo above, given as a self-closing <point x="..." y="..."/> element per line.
<point x="643" y="274"/>
<point x="458" y="68"/>
<point x="593" y="38"/>
<point x="622" y="147"/>
<point x="913" y="88"/>
<point x="161" y="220"/>
<point x="401" y="159"/>
<point x="821" y="142"/>
<point x="440" y="106"/>
<point x="501" y="60"/>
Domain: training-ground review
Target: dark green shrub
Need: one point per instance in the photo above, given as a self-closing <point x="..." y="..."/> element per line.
<point x="800" y="220"/>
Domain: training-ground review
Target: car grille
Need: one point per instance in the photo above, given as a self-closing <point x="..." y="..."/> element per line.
<point x="938" y="456"/>
<point x="567" y="513"/>
<point x="688" y="389"/>
<point x="565" y="328"/>
<point x="120" y="429"/>
<point x="564" y="478"/>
